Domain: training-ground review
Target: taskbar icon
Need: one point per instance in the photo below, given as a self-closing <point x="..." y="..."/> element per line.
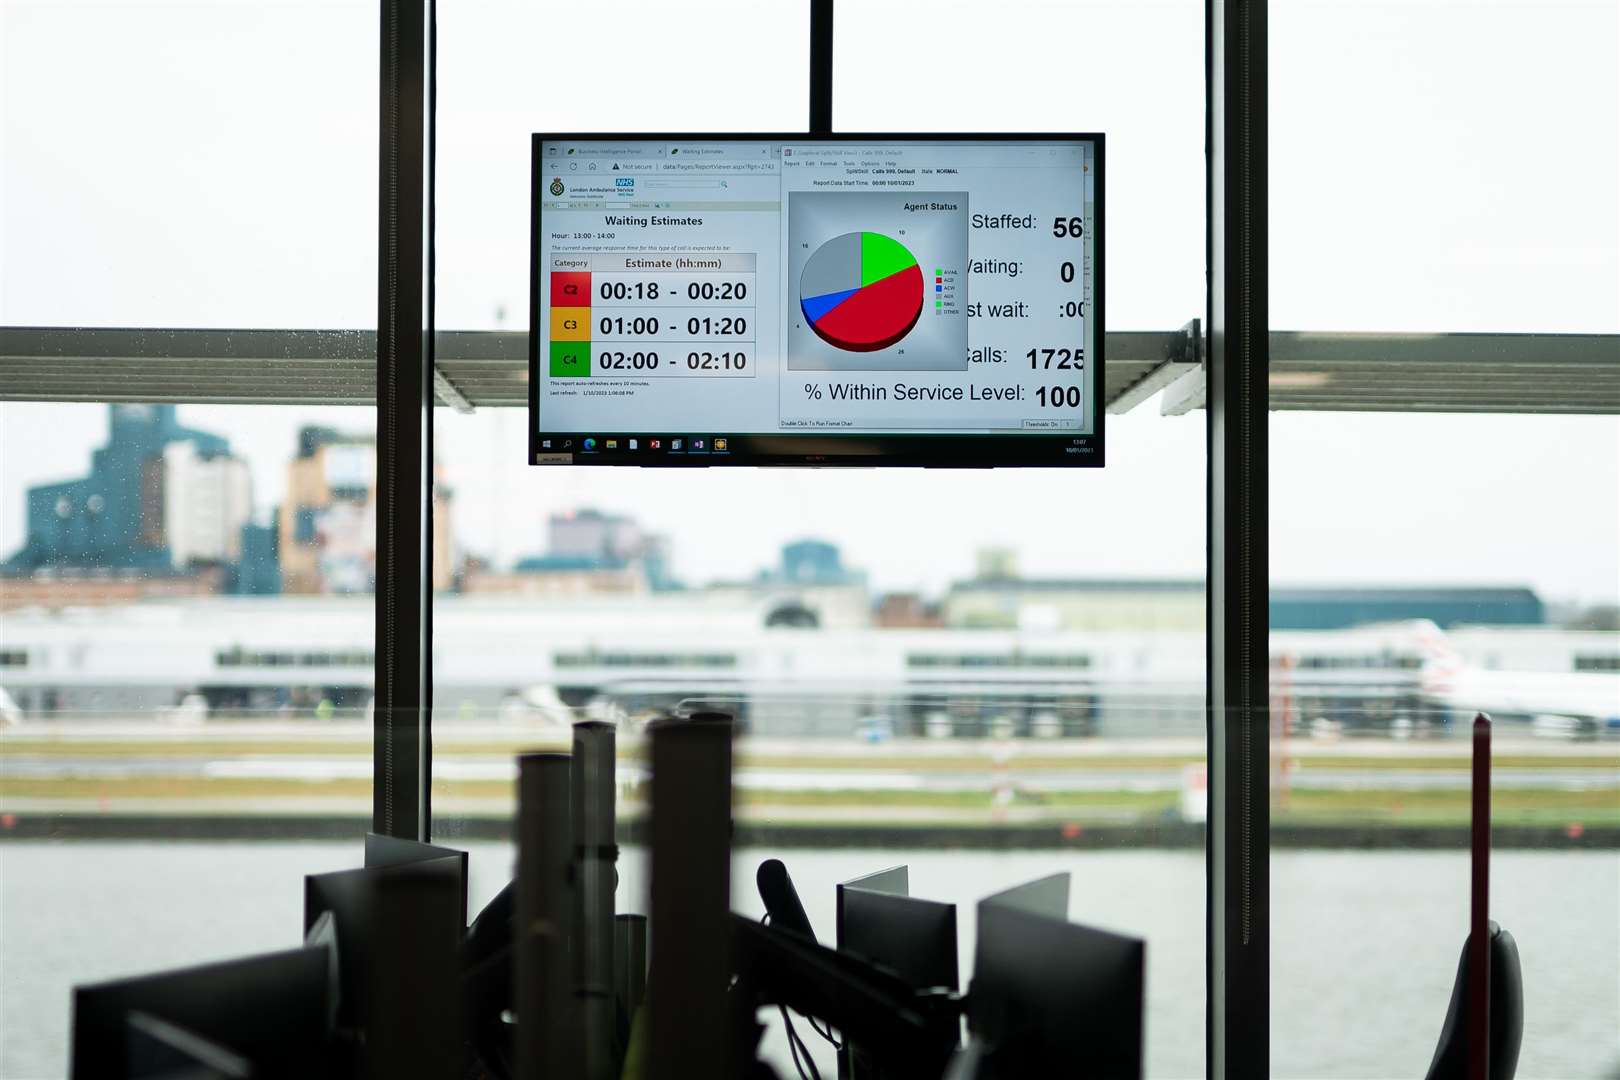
<point x="672" y="444"/>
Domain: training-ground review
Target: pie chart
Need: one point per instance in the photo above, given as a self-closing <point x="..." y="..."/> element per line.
<point x="861" y="291"/>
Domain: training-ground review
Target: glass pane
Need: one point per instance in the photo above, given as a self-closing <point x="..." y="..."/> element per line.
<point x="989" y="676"/>
<point x="185" y="661"/>
<point x="186" y="626"/>
<point x="189" y="164"/>
<point x="1421" y="570"/>
<point x="1472" y="202"/>
<point x="93" y="909"/>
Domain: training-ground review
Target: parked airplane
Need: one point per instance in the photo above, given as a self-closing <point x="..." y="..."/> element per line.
<point x="1565" y="702"/>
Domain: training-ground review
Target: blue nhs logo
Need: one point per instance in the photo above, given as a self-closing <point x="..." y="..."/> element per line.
<point x="624" y="181"/>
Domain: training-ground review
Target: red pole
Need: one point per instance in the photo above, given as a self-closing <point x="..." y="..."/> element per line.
<point x="1479" y="946"/>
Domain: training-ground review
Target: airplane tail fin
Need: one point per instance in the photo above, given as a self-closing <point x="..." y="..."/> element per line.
<point x="1442" y="663"/>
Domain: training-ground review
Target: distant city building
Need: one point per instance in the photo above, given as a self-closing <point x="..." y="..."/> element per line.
<point x="52" y="588"/>
<point x="810" y="587"/>
<point x="1596" y="617"/>
<point x="657" y="562"/>
<point x="996" y="564"/>
<point x="587" y="552"/>
<point x="328" y="525"/>
<point x="1075" y="604"/>
<point x="813" y="562"/>
<point x="908" y="611"/>
<point x="133" y="511"/>
<point x="1178" y="604"/>
<point x="548" y="576"/>
<point x="162" y="514"/>
<point x="207" y="500"/>
<point x="590" y="534"/>
<point x="1337" y="608"/>
<point x="258" y="572"/>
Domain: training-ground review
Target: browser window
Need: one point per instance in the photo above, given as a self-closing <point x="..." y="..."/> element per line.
<point x="919" y="301"/>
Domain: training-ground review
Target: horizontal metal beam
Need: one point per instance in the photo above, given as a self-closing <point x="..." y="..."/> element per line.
<point x="446" y="392"/>
<point x="1184" y="355"/>
<point x="1188" y="393"/>
<point x="1475" y="373"/>
<point x="1485" y="373"/>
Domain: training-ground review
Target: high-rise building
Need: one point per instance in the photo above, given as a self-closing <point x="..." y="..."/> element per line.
<point x="809" y="587"/>
<point x="136" y="510"/>
<point x="328" y="524"/>
<point x="591" y="534"/>
<point x="206" y="502"/>
<point x="997" y="564"/>
<point x="815" y="562"/>
<point x="657" y="561"/>
<point x="587" y="552"/>
<point x="258" y="572"/>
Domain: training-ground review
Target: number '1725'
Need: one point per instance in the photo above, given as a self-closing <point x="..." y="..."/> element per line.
<point x="1061" y="359"/>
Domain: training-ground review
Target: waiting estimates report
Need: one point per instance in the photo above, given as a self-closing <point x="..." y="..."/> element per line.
<point x="817" y="300"/>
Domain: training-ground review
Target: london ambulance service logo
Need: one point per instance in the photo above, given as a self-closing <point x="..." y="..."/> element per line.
<point x="556" y="185"/>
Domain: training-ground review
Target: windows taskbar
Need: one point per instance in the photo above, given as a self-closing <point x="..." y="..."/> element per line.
<point x="943" y="450"/>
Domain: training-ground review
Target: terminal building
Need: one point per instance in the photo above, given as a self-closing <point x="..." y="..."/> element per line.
<point x="998" y="597"/>
<point x="824" y="671"/>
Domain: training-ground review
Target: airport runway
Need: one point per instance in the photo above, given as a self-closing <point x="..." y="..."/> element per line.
<point x="921" y="779"/>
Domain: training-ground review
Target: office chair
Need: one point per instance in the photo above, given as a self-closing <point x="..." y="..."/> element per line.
<point x="1507" y="1015"/>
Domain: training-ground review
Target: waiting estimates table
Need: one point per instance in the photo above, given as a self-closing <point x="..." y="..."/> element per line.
<point x="653" y="315"/>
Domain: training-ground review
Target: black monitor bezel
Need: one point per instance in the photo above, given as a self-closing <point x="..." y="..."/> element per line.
<point x="384" y="851"/>
<point x="271" y="1008"/>
<point x="356" y="899"/>
<point x="943" y="451"/>
<point x="892" y="881"/>
<point x="1046" y="896"/>
<point x="1070" y="996"/>
<point x="857" y="905"/>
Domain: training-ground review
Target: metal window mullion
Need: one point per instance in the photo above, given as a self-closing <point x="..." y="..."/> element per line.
<point x="404" y="416"/>
<point x="821" y="69"/>
<point x="1239" y="910"/>
<point x="428" y="398"/>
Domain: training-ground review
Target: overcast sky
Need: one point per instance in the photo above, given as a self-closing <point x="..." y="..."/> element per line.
<point x="1435" y="167"/>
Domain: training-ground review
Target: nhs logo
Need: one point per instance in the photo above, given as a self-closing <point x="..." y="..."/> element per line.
<point x="624" y="181"/>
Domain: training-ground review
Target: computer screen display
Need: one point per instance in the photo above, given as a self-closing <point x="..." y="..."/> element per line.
<point x="794" y="299"/>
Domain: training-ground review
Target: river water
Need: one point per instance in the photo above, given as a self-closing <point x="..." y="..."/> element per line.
<point x="1364" y="944"/>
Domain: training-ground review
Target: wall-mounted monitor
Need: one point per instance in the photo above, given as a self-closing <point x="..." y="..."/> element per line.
<point x="703" y="300"/>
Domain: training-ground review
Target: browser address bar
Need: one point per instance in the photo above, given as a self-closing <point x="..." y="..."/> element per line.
<point x="684" y="182"/>
<point x="689" y="168"/>
<point x="957" y="153"/>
